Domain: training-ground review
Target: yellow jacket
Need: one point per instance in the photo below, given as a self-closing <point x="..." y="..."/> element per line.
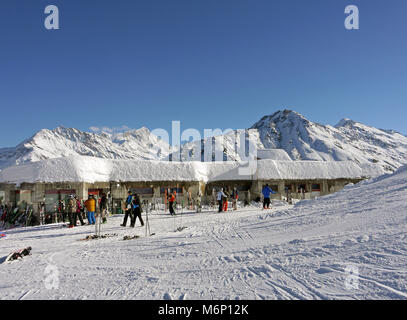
<point x="90" y="205"/>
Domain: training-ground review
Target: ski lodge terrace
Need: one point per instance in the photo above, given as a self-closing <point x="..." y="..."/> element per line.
<point x="51" y="180"/>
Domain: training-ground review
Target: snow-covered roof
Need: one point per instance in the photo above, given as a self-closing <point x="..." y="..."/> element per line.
<point x="91" y="169"/>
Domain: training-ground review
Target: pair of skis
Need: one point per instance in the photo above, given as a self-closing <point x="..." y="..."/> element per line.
<point x="103" y="236"/>
<point x="18" y="254"/>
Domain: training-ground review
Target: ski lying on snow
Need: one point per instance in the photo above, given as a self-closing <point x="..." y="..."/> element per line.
<point x="135" y="237"/>
<point x="103" y="236"/>
<point x="18" y="254"/>
<point x="130" y="237"/>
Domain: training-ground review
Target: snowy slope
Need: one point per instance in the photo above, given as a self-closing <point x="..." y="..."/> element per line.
<point x="304" y="251"/>
<point x="306" y="140"/>
<point x="62" y="142"/>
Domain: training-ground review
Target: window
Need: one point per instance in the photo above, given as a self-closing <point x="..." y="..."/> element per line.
<point x="316" y="187"/>
<point x="142" y="190"/>
<point x="162" y="190"/>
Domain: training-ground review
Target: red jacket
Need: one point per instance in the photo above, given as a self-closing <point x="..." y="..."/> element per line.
<point x="78" y="206"/>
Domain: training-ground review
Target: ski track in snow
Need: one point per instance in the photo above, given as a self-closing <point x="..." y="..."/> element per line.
<point x="288" y="252"/>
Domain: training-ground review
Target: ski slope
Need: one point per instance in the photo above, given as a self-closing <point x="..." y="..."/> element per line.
<point x="289" y="252"/>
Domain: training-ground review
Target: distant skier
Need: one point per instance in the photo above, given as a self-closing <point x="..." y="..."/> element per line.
<point x="136" y="210"/>
<point x="71" y="208"/>
<point x="171" y="200"/>
<point x="78" y="213"/>
<point x="61" y="210"/>
<point x="235" y="197"/>
<point x="219" y="199"/>
<point x="266" y="193"/>
<point x="225" y="200"/>
<point x="128" y="209"/>
<point x="199" y="202"/>
<point x="90" y="205"/>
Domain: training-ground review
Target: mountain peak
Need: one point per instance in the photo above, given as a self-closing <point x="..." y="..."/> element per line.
<point x="345" y="122"/>
<point x="279" y="116"/>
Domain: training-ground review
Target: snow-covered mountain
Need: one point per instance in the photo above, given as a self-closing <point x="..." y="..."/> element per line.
<point x="286" y="130"/>
<point x="62" y="142"/>
<point x="306" y="140"/>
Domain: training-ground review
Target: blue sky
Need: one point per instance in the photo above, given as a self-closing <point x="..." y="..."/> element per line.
<point x="208" y="63"/>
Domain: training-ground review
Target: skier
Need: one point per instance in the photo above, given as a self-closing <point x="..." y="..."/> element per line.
<point x="61" y="210"/>
<point x="198" y="202"/>
<point x="128" y="208"/>
<point x="235" y="196"/>
<point x="266" y="193"/>
<point x="136" y="208"/>
<point x="71" y="208"/>
<point x="288" y="195"/>
<point x="219" y="199"/>
<point x="91" y="208"/>
<point x="171" y="200"/>
<point x="78" y="213"/>
<point x="225" y="200"/>
<point x="103" y="207"/>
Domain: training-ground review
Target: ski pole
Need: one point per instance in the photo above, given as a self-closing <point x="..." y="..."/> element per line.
<point x="146" y="218"/>
<point x="182" y="210"/>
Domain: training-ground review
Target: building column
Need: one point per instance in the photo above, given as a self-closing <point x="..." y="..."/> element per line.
<point x="256" y="188"/>
<point x="281" y="189"/>
<point x="82" y="191"/>
<point x="324" y="187"/>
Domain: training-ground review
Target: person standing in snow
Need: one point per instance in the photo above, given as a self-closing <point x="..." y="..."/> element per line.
<point x="219" y="199"/>
<point x="266" y="193"/>
<point x="78" y="213"/>
<point x="198" y="202"/>
<point x="136" y="208"/>
<point x="61" y="210"/>
<point x="171" y="200"/>
<point x="90" y="205"/>
<point x="235" y="197"/>
<point x="71" y="208"/>
<point x="225" y="200"/>
<point x="128" y="209"/>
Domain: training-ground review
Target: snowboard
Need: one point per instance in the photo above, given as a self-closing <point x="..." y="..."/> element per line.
<point x="18" y="254"/>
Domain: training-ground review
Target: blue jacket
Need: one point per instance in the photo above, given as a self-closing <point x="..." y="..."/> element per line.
<point x="266" y="192"/>
<point x="129" y="199"/>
